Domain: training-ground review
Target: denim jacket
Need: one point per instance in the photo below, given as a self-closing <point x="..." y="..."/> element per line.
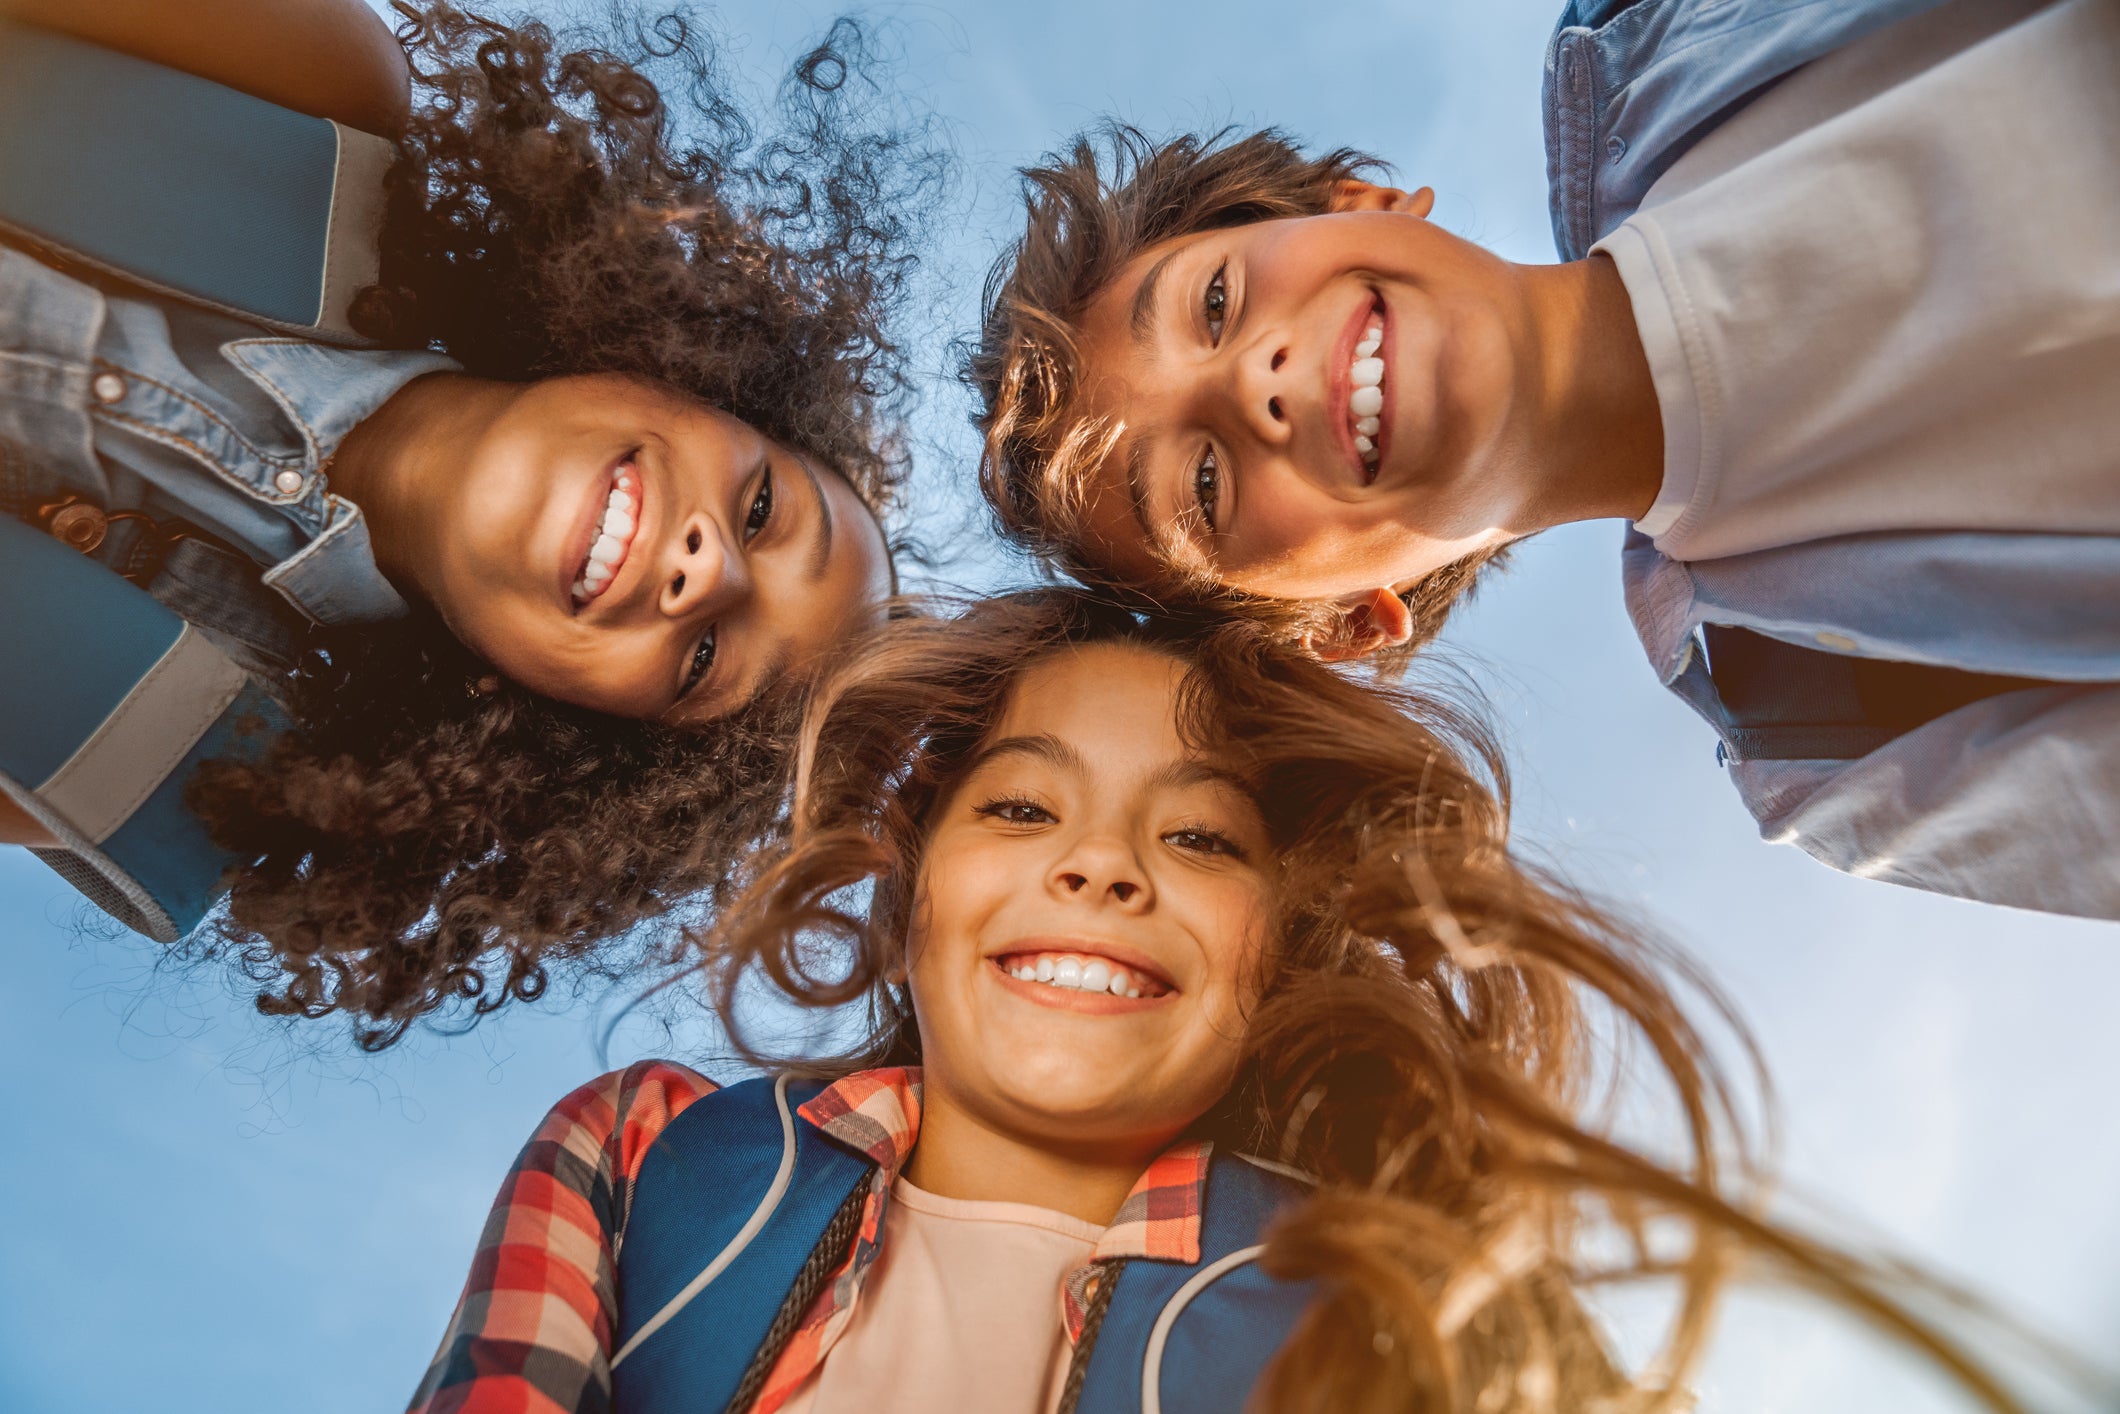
<point x="113" y="402"/>
<point x="2012" y="798"/>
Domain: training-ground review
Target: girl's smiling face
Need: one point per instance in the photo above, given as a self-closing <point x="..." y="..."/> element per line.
<point x="611" y="543"/>
<point x="1090" y="906"/>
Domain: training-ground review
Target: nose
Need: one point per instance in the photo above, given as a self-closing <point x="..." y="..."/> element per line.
<point x="1262" y="390"/>
<point x="705" y="574"/>
<point x="1100" y="870"/>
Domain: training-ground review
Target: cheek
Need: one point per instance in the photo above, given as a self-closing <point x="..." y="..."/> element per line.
<point x="959" y="887"/>
<point x="1236" y="921"/>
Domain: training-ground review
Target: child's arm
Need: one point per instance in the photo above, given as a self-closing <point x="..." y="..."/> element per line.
<point x="533" y="1331"/>
<point x="331" y="59"/>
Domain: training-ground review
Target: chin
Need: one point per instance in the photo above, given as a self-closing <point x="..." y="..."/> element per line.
<point x="1067" y="1102"/>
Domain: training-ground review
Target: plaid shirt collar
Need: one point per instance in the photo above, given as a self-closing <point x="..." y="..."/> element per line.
<point x="877" y="1113"/>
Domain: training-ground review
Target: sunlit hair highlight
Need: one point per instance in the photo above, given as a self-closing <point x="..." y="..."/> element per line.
<point x="1427" y="1043"/>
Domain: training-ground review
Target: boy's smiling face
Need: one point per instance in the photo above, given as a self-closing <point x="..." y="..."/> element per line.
<point x="1234" y="360"/>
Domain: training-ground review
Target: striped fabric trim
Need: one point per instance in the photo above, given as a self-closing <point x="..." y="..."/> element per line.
<point x="353" y="238"/>
<point x="128" y="757"/>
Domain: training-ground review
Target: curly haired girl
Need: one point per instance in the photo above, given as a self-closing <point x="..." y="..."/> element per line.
<point x="1220" y="1055"/>
<point x="534" y="574"/>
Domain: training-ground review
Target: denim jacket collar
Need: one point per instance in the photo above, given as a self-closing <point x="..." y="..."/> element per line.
<point x="326" y="392"/>
<point x="1632" y="84"/>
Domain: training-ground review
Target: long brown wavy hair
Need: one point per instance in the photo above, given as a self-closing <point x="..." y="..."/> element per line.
<point x="567" y="203"/>
<point x="1431" y="1011"/>
<point x="1088" y="210"/>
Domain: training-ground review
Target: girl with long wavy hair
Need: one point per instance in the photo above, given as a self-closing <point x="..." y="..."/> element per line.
<point x="1219" y="1054"/>
<point x="532" y="573"/>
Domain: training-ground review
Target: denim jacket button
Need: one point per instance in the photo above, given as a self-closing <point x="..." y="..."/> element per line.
<point x="287" y="482"/>
<point x="80" y="526"/>
<point x="108" y="387"/>
<point x="1615" y="147"/>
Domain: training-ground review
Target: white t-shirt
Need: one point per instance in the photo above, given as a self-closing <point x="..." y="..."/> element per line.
<point x="961" y="1311"/>
<point x="1885" y="295"/>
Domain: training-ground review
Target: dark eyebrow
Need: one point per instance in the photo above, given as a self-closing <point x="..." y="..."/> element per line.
<point x="1043" y="747"/>
<point x="1193" y="771"/>
<point x="821" y="546"/>
<point x="1143" y="315"/>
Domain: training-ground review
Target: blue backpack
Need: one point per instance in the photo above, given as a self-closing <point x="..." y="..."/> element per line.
<point x="742" y="1210"/>
<point x="200" y="193"/>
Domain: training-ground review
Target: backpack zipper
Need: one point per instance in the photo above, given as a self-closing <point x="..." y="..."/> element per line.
<point x="825" y="1258"/>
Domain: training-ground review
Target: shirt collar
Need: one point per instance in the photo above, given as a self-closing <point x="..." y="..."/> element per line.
<point x="877" y="1113"/>
<point x="329" y="391"/>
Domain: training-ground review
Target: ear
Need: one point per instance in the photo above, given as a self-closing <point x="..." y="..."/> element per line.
<point x="1354" y="194"/>
<point x="1373" y="619"/>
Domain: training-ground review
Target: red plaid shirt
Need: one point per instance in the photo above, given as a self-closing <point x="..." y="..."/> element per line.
<point x="533" y="1331"/>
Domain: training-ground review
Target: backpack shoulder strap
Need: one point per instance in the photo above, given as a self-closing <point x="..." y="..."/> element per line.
<point x="729" y="1204"/>
<point x="1180" y="1339"/>
<point x="110" y="702"/>
<point x="185" y="186"/>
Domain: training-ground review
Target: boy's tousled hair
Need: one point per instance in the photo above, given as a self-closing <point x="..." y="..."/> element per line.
<point x="1433" y="1034"/>
<point x="1088" y="210"/>
<point x="583" y="201"/>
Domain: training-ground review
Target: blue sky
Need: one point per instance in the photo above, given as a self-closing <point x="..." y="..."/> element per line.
<point x="217" y="1214"/>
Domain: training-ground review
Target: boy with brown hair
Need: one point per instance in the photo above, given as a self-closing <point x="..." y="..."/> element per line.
<point x="1843" y="357"/>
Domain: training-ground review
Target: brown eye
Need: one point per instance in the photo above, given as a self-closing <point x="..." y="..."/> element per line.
<point x="1207" y="485"/>
<point x="702" y="659"/>
<point x="1015" y="812"/>
<point x="761" y="507"/>
<point x="1215" y="303"/>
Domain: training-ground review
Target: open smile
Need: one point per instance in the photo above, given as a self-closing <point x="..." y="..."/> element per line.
<point x="612" y="523"/>
<point x="1360" y="374"/>
<point x="1083" y="975"/>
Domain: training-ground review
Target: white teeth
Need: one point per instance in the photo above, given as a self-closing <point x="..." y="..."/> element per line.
<point x="1079" y="974"/>
<point x="614" y="532"/>
<point x="1366" y="399"/>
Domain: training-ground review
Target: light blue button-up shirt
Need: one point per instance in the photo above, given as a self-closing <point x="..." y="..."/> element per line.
<point x="2013" y="799"/>
<point x="141" y="404"/>
<point x="151" y="405"/>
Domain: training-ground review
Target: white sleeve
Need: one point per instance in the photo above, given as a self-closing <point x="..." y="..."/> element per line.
<point x="2012" y="800"/>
